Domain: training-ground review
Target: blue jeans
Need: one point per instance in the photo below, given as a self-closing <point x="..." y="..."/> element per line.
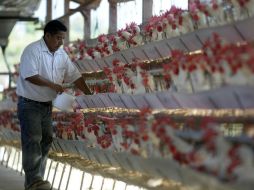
<point x="36" y="137"/>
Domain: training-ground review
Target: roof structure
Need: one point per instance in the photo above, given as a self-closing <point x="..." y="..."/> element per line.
<point x="12" y="11"/>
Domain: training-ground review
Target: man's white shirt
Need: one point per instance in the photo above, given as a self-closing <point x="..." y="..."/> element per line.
<point x="38" y="60"/>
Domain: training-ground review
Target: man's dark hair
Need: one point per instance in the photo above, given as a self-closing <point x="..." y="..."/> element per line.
<point x="54" y="26"/>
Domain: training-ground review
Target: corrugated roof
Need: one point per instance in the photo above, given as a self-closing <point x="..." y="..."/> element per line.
<point x="12" y="11"/>
<point x="24" y="8"/>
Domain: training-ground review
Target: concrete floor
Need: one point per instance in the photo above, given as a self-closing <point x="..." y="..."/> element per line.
<point x="62" y="175"/>
<point x="10" y="180"/>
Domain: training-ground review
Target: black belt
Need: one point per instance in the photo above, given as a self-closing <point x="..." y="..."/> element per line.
<point x="29" y="100"/>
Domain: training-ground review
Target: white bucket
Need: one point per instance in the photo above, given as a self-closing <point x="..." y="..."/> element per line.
<point x="64" y="102"/>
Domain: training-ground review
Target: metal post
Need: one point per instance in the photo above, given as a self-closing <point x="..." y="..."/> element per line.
<point x="69" y="176"/>
<point x="14" y="159"/>
<point x="102" y="183"/>
<point x="49" y="169"/>
<point x="67" y="21"/>
<point x="9" y="155"/>
<point x="147" y="10"/>
<point x="2" y="162"/>
<point x="114" y="184"/>
<point x="21" y="170"/>
<point x="59" y="186"/>
<point x="54" y="176"/>
<point x="90" y="187"/>
<point x="49" y="11"/>
<point x="112" y="17"/>
<point x="82" y="180"/>
<point x="17" y="169"/>
<point x="87" y="23"/>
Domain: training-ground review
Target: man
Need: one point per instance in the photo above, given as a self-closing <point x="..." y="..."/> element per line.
<point x="44" y="67"/>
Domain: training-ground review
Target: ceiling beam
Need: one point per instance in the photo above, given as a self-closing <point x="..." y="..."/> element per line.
<point x="84" y="4"/>
<point x="80" y="8"/>
<point x="113" y="1"/>
<point x="19" y="18"/>
<point x="78" y="1"/>
<point x="119" y="1"/>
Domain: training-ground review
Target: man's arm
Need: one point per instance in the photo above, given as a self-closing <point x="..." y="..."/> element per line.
<point x="81" y="85"/>
<point x="40" y="81"/>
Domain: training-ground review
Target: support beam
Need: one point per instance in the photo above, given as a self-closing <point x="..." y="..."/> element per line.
<point x="19" y="18"/>
<point x="78" y="1"/>
<point x="87" y="23"/>
<point x="66" y="21"/>
<point x="49" y="11"/>
<point x="89" y="4"/>
<point x="112" y="17"/>
<point x="119" y="1"/>
<point x="147" y="10"/>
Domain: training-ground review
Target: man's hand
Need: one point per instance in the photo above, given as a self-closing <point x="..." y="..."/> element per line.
<point x="58" y="88"/>
<point x="81" y="85"/>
